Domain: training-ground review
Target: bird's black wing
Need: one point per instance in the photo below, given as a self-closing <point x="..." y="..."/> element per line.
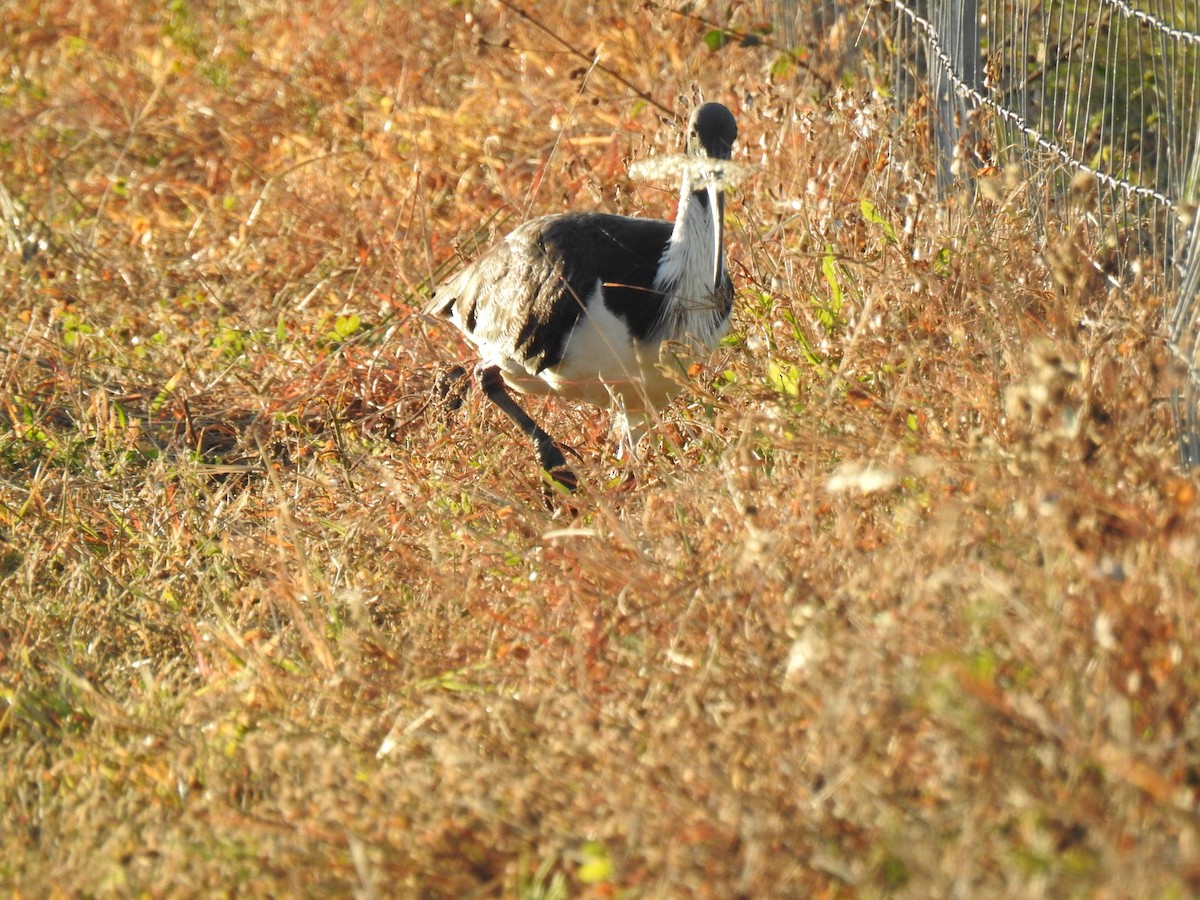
<point x="524" y="296"/>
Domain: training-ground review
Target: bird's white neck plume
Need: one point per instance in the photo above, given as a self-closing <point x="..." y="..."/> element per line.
<point x="685" y="272"/>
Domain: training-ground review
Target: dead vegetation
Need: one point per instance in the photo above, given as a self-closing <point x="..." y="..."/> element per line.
<point x="900" y="602"/>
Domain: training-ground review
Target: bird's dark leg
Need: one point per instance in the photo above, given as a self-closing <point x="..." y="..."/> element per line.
<point x="549" y="456"/>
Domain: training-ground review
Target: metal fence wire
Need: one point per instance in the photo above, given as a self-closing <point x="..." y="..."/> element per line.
<point x="1097" y="102"/>
<point x="1105" y="89"/>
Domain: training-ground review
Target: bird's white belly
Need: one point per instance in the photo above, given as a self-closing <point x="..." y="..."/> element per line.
<point x="599" y="359"/>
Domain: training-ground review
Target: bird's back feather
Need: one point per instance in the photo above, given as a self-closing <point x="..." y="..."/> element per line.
<point x="524" y="296"/>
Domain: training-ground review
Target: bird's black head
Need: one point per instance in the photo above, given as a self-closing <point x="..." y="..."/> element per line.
<point x="711" y="132"/>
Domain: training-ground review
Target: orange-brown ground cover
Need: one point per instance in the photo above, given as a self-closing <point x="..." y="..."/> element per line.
<point x="904" y="598"/>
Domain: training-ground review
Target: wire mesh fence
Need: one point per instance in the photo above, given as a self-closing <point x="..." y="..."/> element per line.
<point x="1096" y="101"/>
<point x="1099" y="102"/>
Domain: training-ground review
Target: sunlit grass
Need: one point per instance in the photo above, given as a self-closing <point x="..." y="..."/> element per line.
<point x="900" y="597"/>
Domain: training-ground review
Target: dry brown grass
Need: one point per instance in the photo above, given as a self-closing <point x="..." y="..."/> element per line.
<point x="269" y="623"/>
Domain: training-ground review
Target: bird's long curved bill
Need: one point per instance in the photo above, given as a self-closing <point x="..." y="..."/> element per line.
<point x="716" y="205"/>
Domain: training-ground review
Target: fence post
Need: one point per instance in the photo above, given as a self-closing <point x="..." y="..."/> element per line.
<point x="1185" y="401"/>
<point x="956" y="23"/>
